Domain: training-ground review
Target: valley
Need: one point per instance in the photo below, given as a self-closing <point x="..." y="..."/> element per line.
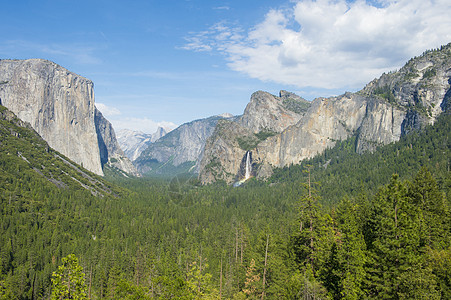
<point x="345" y="197"/>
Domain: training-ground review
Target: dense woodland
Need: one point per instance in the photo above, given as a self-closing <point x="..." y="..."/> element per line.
<point x="339" y="226"/>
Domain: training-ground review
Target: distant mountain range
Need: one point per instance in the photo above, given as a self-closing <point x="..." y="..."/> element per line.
<point x="180" y="150"/>
<point x="134" y="142"/>
<point x="276" y="131"/>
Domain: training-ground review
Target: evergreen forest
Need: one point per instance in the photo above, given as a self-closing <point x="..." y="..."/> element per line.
<point x="338" y="226"/>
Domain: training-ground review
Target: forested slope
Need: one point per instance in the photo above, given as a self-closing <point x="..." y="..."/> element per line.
<point x="374" y="236"/>
<point x="341" y="171"/>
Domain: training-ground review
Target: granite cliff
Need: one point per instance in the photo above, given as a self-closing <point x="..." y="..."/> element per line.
<point x="383" y="111"/>
<point x="111" y="153"/>
<point x="178" y="151"/>
<point x="60" y="106"/>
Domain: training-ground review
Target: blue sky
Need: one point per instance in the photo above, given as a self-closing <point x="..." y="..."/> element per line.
<point x="167" y="62"/>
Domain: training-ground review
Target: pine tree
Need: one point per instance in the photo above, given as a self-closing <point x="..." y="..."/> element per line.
<point x="397" y="269"/>
<point x="351" y="252"/>
<point x="68" y="281"/>
<point x="435" y="219"/>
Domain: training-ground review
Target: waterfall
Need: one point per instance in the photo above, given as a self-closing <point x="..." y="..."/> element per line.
<point x="247" y="170"/>
<point x="248" y="166"/>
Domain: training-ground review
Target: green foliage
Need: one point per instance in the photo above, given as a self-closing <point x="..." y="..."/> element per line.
<point x="346" y="173"/>
<point x="68" y="282"/>
<point x="296" y="105"/>
<point x="247" y="142"/>
<point x="431" y="72"/>
<point x="264" y="134"/>
<point x="386" y="93"/>
<point x="148" y="237"/>
<point x="250" y="142"/>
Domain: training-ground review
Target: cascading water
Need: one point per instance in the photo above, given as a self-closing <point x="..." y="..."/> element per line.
<point x="248" y="172"/>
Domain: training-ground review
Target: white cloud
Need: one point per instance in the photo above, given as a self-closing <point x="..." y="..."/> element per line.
<point x="107" y="111"/>
<point x="330" y="43"/>
<point x="145" y="125"/>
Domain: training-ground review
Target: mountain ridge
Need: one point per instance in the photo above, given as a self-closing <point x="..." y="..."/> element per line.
<point x="383" y="111"/>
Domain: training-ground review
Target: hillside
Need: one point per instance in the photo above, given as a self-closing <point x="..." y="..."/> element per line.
<point x="148" y="243"/>
<point x="28" y="160"/>
<point x="343" y="172"/>
<point x="48" y="207"/>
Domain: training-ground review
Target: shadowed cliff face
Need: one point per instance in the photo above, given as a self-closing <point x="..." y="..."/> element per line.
<point x="395" y="104"/>
<point x="58" y="104"/>
<point x="110" y="151"/>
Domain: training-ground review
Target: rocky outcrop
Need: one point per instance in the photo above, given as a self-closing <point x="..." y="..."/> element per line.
<point x="110" y="151"/>
<point x="222" y="150"/>
<point x="57" y="103"/>
<point x="264" y="116"/>
<point x="387" y="108"/>
<point x="161" y="132"/>
<point x="182" y="145"/>
<point x="133" y="142"/>
<point x="266" y="112"/>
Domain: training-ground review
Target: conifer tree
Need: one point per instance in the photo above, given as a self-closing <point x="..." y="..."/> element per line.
<point x="68" y="281"/>
<point x="397" y="268"/>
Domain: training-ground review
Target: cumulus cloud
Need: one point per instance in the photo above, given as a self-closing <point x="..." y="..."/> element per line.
<point x="330" y="43"/>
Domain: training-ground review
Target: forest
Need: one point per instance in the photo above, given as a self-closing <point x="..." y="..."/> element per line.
<point x="338" y="226"/>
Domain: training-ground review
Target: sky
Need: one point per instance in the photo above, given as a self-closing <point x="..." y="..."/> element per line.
<point x="167" y="62"/>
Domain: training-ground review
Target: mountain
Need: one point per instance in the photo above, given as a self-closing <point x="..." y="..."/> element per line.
<point x="386" y="109"/>
<point x="178" y="151"/>
<point x="60" y="106"/>
<point x="135" y="142"/>
<point x="27" y="161"/>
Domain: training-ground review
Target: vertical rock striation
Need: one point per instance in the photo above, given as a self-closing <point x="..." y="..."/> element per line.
<point x="57" y="103"/>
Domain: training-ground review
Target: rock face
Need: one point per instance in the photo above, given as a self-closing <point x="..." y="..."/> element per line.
<point x="387" y="108"/>
<point x="264" y="116"/>
<point x="110" y="151"/>
<point x="266" y="112"/>
<point x="135" y="142"/>
<point x="182" y="145"/>
<point x="57" y="103"/>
